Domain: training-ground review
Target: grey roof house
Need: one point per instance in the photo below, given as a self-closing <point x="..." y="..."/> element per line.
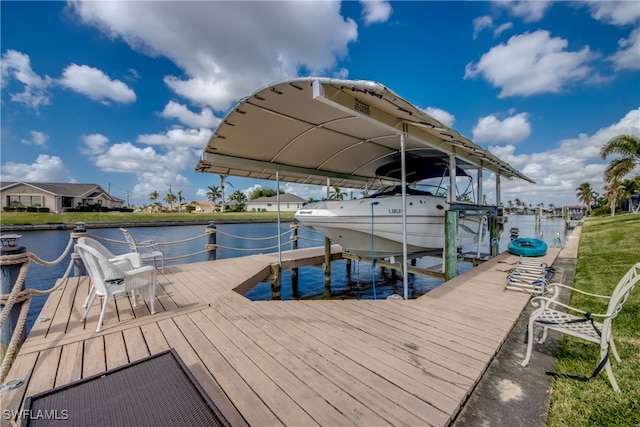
<point x="58" y="197"/>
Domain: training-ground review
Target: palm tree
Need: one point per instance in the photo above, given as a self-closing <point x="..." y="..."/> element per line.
<point x="153" y="197"/>
<point x="631" y="187"/>
<point x="222" y="178"/>
<point x="613" y="191"/>
<point x="337" y="194"/>
<point x="180" y="200"/>
<point x="213" y="194"/>
<point x="585" y="195"/>
<point x="627" y="146"/>
<point x="170" y="198"/>
<point x="240" y="198"/>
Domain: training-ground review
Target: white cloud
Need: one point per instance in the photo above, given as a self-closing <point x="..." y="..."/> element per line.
<point x="615" y="12"/>
<point x="532" y="63"/>
<point x="511" y="130"/>
<point x="558" y="172"/>
<point x="37" y="138"/>
<point x="149" y="182"/>
<point x="45" y="169"/>
<point x="15" y="65"/>
<point x="205" y="119"/>
<point x="486" y="22"/>
<point x="480" y="23"/>
<point x="95" y="84"/>
<point x="527" y="10"/>
<point x="502" y="28"/>
<point x="196" y="37"/>
<point x="442" y="116"/>
<point x="94" y="144"/>
<point x="628" y="55"/>
<point x="374" y="11"/>
<point x="178" y="137"/>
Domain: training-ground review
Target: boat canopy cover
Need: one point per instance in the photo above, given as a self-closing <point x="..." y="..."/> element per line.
<point x="309" y="129"/>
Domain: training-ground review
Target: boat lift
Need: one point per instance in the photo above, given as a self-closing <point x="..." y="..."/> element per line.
<point x="315" y="130"/>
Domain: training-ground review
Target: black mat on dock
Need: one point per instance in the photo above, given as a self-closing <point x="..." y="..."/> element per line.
<point x="155" y="391"/>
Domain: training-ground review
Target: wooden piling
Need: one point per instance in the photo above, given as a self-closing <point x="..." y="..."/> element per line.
<point x="79" y="268"/>
<point x="327" y="264"/>
<point x="494" y="235"/>
<point x="212" y="245"/>
<point x="275" y="282"/>
<point x="10" y="271"/>
<point x="451" y="247"/>
<point x="294" y="271"/>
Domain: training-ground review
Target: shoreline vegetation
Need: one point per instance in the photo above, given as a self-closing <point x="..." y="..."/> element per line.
<point x="608" y="247"/>
<point x="21" y="221"/>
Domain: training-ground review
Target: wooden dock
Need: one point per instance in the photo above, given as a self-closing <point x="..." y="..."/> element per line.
<point x="302" y="363"/>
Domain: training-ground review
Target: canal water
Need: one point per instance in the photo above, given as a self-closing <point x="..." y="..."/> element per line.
<point x="261" y="238"/>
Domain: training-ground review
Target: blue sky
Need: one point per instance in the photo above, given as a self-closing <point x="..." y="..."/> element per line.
<point x="126" y="94"/>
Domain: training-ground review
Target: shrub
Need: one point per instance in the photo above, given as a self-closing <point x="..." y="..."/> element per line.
<point x="43" y="209"/>
<point x="32" y="209"/>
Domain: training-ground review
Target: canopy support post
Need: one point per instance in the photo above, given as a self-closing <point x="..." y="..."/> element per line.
<point x="405" y="272"/>
<point x="327" y="254"/>
<point x="278" y="203"/>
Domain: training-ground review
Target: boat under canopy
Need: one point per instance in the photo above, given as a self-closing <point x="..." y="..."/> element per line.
<point x="344" y="133"/>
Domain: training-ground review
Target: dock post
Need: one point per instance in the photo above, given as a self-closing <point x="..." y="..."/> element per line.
<point x="494" y="235"/>
<point x="294" y="271"/>
<point x="275" y="282"/>
<point x="451" y="250"/>
<point x="79" y="268"/>
<point x="327" y="264"/>
<point x="11" y="267"/>
<point x="212" y="245"/>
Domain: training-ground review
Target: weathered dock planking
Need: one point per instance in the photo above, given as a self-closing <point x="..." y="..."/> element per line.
<point x="321" y="362"/>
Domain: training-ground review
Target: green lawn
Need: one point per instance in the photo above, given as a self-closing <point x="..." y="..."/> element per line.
<point x="7" y="218"/>
<point x="609" y="246"/>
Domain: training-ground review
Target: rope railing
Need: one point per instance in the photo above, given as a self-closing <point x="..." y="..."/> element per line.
<point x="24" y="296"/>
<point x="19" y="295"/>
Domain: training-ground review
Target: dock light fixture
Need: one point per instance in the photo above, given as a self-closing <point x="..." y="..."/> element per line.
<point x="10" y="240"/>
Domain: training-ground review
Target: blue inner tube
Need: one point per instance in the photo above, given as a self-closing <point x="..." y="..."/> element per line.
<point x="526" y="246"/>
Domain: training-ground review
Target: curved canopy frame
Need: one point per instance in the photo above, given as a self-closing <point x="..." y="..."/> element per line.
<point x="312" y="128"/>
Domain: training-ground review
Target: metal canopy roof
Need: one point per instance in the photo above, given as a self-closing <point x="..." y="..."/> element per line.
<point x="312" y="128"/>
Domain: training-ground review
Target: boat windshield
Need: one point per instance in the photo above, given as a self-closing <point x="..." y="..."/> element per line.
<point x="414" y="189"/>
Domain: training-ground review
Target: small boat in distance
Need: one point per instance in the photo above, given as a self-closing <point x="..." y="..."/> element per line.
<point x="371" y="227"/>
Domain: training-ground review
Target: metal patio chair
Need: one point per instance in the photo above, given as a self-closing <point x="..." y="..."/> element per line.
<point x="583" y="324"/>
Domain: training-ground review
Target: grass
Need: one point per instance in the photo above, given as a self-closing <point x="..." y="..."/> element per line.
<point x="7" y="218"/>
<point x="609" y="246"/>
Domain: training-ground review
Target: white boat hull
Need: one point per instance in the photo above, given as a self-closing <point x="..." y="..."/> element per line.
<point x="364" y="229"/>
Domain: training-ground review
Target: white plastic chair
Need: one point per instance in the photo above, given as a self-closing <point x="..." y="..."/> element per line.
<point x="110" y="279"/>
<point x="127" y="261"/>
<point x="583" y="324"/>
<point x="150" y="249"/>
